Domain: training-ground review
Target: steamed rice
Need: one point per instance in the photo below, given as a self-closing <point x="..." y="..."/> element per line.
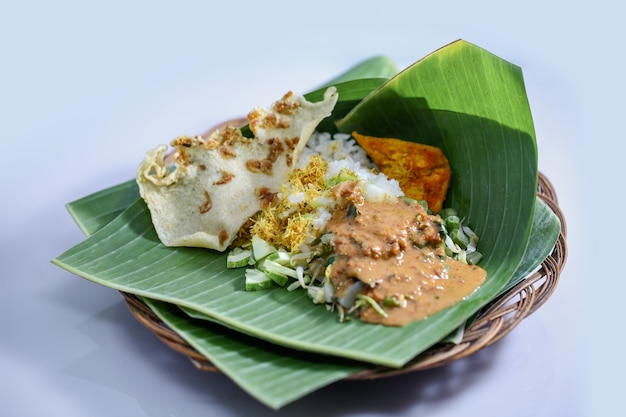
<point x="333" y="148"/>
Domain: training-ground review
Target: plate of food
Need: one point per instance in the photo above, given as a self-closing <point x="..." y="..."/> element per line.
<point x="386" y="222"/>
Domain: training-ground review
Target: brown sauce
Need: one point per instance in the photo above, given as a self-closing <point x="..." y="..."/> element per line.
<point x="395" y="249"/>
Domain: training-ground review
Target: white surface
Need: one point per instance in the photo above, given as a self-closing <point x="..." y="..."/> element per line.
<point x="86" y="89"/>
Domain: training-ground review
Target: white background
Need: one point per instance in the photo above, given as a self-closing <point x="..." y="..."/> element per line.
<point x="87" y="87"/>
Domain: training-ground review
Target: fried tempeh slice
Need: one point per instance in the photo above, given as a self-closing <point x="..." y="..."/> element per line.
<point x="422" y="171"/>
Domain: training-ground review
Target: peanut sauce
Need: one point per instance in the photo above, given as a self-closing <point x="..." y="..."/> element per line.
<point x="396" y="250"/>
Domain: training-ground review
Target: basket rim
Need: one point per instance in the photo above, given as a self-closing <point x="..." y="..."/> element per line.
<point x="492" y="323"/>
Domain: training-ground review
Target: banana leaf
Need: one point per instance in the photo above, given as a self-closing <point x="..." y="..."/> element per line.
<point x="379" y="66"/>
<point x="489" y="118"/>
<point x="250" y="363"/>
<point x="354" y="85"/>
<point x="274" y="376"/>
<point x="95" y="210"/>
<point x="474" y="107"/>
<point x="544" y="233"/>
<point x="351" y="93"/>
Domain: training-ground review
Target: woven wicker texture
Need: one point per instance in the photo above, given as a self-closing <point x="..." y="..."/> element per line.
<point x="492" y="323"/>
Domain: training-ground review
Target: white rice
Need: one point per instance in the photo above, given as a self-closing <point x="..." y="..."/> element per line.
<point x="333" y="148"/>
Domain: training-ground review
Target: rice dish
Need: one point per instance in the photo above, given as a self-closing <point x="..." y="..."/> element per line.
<point x="347" y="234"/>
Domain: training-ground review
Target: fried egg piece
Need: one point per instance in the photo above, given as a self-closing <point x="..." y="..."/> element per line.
<point x="423" y="171"/>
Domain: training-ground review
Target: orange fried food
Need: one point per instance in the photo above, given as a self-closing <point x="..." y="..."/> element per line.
<point x="423" y="171"/>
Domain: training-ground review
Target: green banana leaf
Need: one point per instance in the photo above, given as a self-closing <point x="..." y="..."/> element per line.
<point x="240" y="357"/>
<point x="95" y="210"/>
<point x="544" y="233"/>
<point x="274" y="376"/>
<point x="472" y="105"/>
<point x="380" y="66"/>
<point x="260" y="369"/>
<point x="127" y="255"/>
<point x="353" y="85"/>
<point x="351" y="93"/>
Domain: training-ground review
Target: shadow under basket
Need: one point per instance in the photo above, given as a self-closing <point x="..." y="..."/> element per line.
<point x="493" y="322"/>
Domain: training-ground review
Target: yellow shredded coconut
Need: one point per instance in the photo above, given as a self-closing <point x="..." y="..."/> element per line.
<point x="287" y="223"/>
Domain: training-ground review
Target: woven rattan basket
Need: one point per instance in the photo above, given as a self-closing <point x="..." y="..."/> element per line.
<point x="493" y="322"/>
